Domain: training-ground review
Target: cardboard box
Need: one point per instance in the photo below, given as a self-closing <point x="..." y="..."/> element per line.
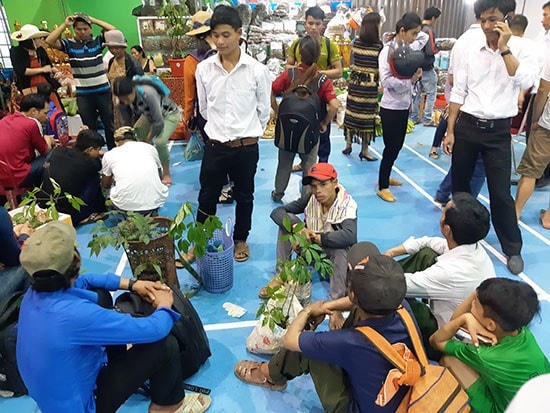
<point x="62" y="217"/>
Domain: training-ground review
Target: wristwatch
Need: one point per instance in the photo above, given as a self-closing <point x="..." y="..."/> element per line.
<point x="131" y="284"/>
<point x="506" y="52"/>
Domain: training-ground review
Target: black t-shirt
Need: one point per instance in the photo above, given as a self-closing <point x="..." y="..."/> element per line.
<point x="72" y="169"/>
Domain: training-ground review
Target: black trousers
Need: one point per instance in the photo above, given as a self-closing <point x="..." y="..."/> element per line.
<point x="494" y="145"/>
<point x="94" y="104"/>
<point x="394" y="129"/>
<point x="127" y="370"/>
<point x="240" y="164"/>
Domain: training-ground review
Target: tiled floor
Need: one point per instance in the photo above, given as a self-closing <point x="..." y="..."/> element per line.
<point x="385" y="224"/>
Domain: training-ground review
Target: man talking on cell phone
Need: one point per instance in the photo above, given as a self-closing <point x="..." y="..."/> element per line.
<point x="487" y="82"/>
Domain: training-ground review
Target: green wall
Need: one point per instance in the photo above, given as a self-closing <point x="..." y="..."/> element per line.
<point x="116" y="12"/>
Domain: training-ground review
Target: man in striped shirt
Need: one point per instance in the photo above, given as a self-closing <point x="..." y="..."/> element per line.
<point x="93" y="91"/>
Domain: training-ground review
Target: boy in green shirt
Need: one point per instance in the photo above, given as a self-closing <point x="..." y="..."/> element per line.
<point x="499" y="310"/>
<point x="329" y="64"/>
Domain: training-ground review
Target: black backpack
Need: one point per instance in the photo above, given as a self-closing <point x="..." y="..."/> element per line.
<point x="188" y="330"/>
<point x="10" y="379"/>
<point x="298" y="123"/>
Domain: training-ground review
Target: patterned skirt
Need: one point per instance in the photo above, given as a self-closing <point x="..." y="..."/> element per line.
<point x="361" y="106"/>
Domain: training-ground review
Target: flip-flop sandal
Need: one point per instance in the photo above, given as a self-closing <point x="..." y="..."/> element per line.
<point x="243" y="370"/>
<point x="188" y="256"/>
<point x="242" y="251"/>
<point x="275" y="282"/>
<point x="94" y="217"/>
<point x="541" y="216"/>
<point x="167" y="181"/>
<point x="195" y="403"/>
<point x="434" y="155"/>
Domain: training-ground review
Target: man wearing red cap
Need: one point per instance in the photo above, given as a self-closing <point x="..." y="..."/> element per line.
<point x="330" y="215"/>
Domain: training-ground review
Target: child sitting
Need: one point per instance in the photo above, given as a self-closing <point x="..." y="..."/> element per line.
<point x="500" y="310"/>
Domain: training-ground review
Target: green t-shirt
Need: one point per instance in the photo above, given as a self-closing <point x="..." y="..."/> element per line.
<point x="322" y="63"/>
<point x="502" y="369"/>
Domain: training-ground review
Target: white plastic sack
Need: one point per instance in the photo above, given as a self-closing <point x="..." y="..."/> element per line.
<point x="341" y="114"/>
<point x="264" y="341"/>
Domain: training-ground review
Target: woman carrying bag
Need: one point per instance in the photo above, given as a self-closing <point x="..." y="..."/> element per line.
<point x="307" y="74"/>
<point x="31" y="63"/>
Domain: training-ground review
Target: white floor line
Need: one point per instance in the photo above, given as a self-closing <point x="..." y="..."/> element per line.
<point x="523" y="225"/>
<point x="228" y="326"/>
<point x="543" y="295"/>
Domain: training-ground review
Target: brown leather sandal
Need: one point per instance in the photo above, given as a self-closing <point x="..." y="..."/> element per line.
<point x="249" y="372"/>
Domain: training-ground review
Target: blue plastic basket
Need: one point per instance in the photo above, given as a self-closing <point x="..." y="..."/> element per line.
<point x="216" y="268"/>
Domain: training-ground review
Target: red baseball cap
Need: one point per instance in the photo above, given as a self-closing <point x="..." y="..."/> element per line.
<point x="321" y="172"/>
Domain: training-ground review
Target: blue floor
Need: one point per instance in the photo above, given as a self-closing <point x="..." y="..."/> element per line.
<point x="385" y="224"/>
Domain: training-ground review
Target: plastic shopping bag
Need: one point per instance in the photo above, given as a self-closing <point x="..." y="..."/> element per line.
<point x="194" y="149"/>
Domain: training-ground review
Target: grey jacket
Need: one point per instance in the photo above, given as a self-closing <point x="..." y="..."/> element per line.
<point x="153" y="106"/>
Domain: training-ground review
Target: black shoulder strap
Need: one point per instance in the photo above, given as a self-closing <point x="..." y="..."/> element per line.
<point x="328" y="52"/>
<point x="318" y="83"/>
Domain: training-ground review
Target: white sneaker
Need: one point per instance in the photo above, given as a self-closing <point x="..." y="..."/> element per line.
<point x="195" y="403"/>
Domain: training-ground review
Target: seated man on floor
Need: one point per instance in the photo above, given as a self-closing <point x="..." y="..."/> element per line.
<point x="133" y="172"/>
<point x="499" y="311"/>
<point x="330" y="215"/>
<point x="13" y="277"/>
<point x="83" y="162"/>
<point x="72" y="353"/>
<point x="20" y="136"/>
<point x="446" y="270"/>
<point x="346" y="369"/>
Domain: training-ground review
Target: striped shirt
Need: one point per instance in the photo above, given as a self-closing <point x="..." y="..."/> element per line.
<point x="87" y="65"/>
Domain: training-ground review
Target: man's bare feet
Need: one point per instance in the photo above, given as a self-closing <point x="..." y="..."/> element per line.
<point x="336" y="320"/>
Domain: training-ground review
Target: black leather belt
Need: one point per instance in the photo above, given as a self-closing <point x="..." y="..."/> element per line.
<point x="236" y="143"/>
<point x="485" y="123"/>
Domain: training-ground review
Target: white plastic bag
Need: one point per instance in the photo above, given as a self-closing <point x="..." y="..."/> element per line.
<point x="264" y="341"/>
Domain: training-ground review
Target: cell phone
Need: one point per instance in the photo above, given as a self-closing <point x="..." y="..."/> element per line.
<point x="464" y="335"/>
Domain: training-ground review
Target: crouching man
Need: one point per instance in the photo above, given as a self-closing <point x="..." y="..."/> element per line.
<point x="64" y="334"/>
<point x="346" y="369"/>
<point x="330" y="215"/>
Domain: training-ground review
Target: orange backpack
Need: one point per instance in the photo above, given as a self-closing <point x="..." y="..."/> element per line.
<point x="432" y="388"/>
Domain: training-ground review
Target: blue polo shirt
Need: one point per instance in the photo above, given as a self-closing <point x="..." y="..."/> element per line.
<point x="365" y="366"/>
<point x="61" y="338"/>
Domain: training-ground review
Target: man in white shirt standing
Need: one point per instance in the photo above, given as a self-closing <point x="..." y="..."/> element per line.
<point x="234" y="92"/>
<point x="133" y="172"/>
<point x="447" y="270"/>
<point x="536" y="156"/>
<point x="487" y="83"/>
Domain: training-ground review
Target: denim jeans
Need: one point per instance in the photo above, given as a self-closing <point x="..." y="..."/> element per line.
<point x="428" y="85"/>
<point x="443" y="193"/>
<point x="13" y="279"/>
<point x="94" y="104"/>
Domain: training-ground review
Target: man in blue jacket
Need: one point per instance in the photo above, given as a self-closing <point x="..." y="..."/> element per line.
<point x="64" y="336"/>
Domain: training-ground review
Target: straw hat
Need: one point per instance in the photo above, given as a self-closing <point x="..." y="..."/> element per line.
<point x="28" y="31"/>
<point x="200" y="23"/>
<point x="115" y="38"/>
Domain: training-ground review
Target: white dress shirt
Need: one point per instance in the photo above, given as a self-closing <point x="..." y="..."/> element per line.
<point x="482" y="85"/>
<point x="474" y="35"/>
<point x="397" y="92"/>
<point x="454" y="276"/>
<point x="235" y="104"/>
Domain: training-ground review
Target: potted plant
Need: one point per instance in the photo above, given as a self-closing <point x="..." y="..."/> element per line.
<point x="295" y="274"/>
<point x="176" y="17"/>
<point x="37" y="207"/>
<point x="151" y="243"/>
